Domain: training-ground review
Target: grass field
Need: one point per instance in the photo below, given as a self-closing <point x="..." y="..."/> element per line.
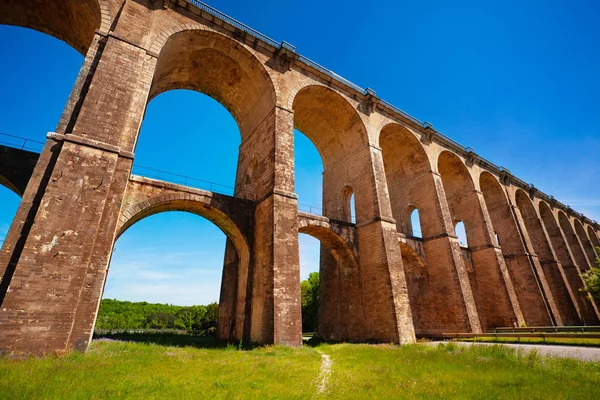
<point x="119" y="369"/>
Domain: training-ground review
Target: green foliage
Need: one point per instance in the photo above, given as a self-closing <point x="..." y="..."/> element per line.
<point x="310" y="302"/>
<point x="591" y="278"/>
<point x="125" y="315"/>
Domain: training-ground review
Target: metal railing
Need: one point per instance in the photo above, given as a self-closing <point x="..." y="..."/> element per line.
<point x="184" y="180"/>
<point x="21" y="143"/>
<point x="314" y="210"/>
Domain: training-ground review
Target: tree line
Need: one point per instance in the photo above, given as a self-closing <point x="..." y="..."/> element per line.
<point x="126" y="315"/>
<point x="591" y="278"/>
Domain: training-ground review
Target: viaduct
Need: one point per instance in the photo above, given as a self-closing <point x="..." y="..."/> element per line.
<point x="525" y="251"/>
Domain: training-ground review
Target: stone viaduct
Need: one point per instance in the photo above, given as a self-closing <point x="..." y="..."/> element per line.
<point x="379" y="281"/>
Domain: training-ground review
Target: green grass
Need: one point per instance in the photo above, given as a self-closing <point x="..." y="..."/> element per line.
<point x="554" y="341"/>
<point x="115" y="369"/>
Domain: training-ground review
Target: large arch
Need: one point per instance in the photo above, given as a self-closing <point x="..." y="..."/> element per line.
<point x="340" y="308"/>
<point x="493" y="290"/>
<point x="73" y="21"/>
<point x="232" y="306"/>
<point x="570" y="270"/>
<point x="338" y="132"/>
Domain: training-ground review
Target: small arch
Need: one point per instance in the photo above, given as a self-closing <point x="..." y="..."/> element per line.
<point x="72" y="21"/>
<point x="348" y="206"/>
<point x="461" y="233"/>
<point x="415" y="223"/>
<point x="330" y="122"/>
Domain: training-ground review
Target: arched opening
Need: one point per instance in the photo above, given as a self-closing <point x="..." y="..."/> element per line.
<point x="330" y="122"/>
<point x="414" y="193"/>
<point x="336" y="131"/>
<point x="587" y="308"/>
<point x="415" y="224"/>
<point x="73" y="21"/>
<point x="192" y="149"/>
<point x="573" y="303"/>
<point x="461" y="233"/>
<point x="586" y="243"/>
<point x="233" y="77"/>
<point x="573" y="242"/>
<point x="340" y="309"/>
<point x="409" y="178"/>
<point x="545" y="259"/>
<point x="476" y="239"/>
<point x="232" y="297"/>
<point x="172" y="259"/>
<point x="595" y="240"/>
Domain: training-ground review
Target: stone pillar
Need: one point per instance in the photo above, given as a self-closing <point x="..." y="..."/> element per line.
<point x="267" y="161"/>
<point x="59" y="263"/>
<point x="382" y="286"/>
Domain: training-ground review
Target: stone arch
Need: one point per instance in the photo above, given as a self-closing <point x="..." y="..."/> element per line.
<point x="586" y="243"/>
<point x="458" y="184"/>
<point x="574" y="307"/>
<point x="593" y="237"/>
<point x="346" y="197"/>
<point x="577" y="250"/>
<point x="10" y="186"/>
<point x="72" y="21"/>
<point x="329" y="120"/>
<point x="407" y="168"/>
<point x="231" y="74"/>
<point x="481" y="258"/>
<point x="198" y="205"/>
<point x="340" y="308"/>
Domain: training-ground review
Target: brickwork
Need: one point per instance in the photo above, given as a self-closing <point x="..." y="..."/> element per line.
<point x="377" y="281"/>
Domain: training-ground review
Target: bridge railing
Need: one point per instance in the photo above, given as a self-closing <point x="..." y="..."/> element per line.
<point x="184" y="180"/>
<point x="21" y="143"/>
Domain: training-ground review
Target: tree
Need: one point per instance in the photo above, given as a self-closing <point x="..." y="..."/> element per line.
<point x="310" y="302"/>
<point x="591" y="279"/>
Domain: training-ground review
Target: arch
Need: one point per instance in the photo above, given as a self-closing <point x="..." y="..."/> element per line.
<point x="8" y="184"/>
<point x="461" y="233"/>
<point x="407" y="170"/>
<point x="231" y="74"/>
<point x="196" y="205"/>
<point x="340" y="308"/>
<point x="348" y="213"/>
<point x="492" y="191"/>
<point x="415" y="222"/>
<point x="72" y="21"/>
<point x="586" y="243"/>
<point x="576" y="311"/>
<point x="592" y="235"/>
<point x="330" y="122"/>
<point x="577" y="250"/>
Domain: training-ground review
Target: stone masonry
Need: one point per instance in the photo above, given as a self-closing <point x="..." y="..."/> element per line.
<point x="525" y="251"/>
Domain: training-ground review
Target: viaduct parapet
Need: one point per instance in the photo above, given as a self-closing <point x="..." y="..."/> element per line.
<point x="380" y="282"/>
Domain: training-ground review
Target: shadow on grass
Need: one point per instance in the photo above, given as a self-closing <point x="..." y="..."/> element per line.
<point x="171" y="339"/>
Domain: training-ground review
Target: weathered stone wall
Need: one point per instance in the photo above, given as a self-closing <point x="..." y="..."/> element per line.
<point x="525" y="252"/>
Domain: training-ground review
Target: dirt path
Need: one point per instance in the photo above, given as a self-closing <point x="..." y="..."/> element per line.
<point x="575" y="352"/>
<point x="324" y="374"/>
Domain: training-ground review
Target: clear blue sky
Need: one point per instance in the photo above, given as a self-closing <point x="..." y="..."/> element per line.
<point x="516" y="82"/>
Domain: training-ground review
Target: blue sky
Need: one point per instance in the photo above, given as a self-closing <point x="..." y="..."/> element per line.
<point x="517" y="82"/>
